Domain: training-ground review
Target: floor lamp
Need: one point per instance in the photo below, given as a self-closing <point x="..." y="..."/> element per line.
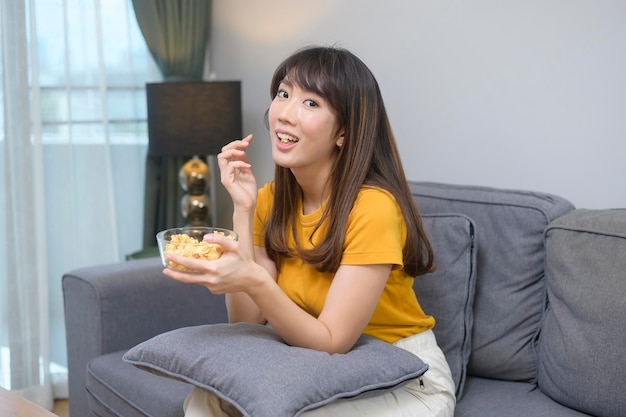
<point x="194" y="119"/>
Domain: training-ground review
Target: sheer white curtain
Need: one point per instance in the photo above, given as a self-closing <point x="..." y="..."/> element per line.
<point x="72" y="161"/>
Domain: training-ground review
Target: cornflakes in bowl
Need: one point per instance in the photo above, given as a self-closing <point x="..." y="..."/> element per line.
<point x="188" y="241"/>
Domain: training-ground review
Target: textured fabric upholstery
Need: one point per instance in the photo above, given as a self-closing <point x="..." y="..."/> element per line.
<point x="448" y="293"/>
<point x="113" y="307"/>
<point x="251" y="367"/>
<point x="509" y="299"/>
<point x="116" y="388"/>
<point x="497" y="398"/>
<point x="583" y="334"/>
<point x="544" y="320"/>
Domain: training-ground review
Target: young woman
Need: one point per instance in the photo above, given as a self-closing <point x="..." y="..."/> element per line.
<point x="328" y="250"/>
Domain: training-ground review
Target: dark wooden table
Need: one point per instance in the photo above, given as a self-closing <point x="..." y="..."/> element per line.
<point x="12" y="405"/>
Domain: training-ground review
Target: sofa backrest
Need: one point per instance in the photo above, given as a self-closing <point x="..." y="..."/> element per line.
<point x="510" y="290"/>
<point x="583" y="334"/>
<point x="448" y="292"/>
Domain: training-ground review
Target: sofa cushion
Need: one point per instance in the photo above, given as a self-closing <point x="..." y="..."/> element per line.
<point x="509" y="299"/>
<point x="496" y="398"/>
<point x="583" y="335"/>
<point x="249" y="366"/>
<point x="116" y="388"/>
<point x="448" y="293"/>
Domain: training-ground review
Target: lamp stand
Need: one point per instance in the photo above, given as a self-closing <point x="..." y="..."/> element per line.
<point x="195" y="179"/>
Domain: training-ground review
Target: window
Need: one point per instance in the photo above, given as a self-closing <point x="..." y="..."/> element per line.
<point x="87" y="66"/>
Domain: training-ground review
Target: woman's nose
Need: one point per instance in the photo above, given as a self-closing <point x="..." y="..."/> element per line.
<point x="287" y="112"/>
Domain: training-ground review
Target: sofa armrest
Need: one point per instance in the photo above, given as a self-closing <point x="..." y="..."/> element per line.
<point x="114" y="307"/>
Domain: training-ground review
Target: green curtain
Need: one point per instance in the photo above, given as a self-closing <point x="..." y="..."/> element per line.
<point x="177" y="34"/>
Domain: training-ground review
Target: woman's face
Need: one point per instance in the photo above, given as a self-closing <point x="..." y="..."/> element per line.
<point x="304" y="131"/>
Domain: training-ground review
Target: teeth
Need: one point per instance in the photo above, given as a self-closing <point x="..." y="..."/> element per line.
<point x="285" y="138"/>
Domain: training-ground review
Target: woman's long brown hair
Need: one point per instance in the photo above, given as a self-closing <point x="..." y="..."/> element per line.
<point x="368" y="157"/>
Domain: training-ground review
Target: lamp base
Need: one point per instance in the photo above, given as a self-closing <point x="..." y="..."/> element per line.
<point x="194" y="178"/>
<point x="196" y="209"/>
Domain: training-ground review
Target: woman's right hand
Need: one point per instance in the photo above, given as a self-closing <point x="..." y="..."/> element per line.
<point x="236" y="173"/>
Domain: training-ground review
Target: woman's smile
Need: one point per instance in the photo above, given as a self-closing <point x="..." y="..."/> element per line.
<point x="286" y="141"/>
<point x="287" y="138"/>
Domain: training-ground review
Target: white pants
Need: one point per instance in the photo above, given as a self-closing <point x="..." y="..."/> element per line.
<point x="433" y="396"/>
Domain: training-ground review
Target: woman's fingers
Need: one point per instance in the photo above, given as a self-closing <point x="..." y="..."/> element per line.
<point x="243" y="142"/>
<point x="228" y="244"/>
<point x="233" y="159"/>
<point x="183" y="268"/>
<point x="236" y="174"/>
<point x="235" y="150"/>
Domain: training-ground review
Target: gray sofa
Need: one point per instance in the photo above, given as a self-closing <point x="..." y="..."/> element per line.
<point x="529" y="296"/>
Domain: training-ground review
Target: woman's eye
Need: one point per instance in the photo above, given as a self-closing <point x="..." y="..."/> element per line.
<point x="310" y="103"/>
<point x="282" y="94"/>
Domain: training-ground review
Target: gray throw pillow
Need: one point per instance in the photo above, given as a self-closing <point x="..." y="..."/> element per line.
<point x="249" y="366"/>
<point x="448" y="293"/>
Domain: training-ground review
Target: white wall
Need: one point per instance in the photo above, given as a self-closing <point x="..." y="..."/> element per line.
<point x="526" y="94"/>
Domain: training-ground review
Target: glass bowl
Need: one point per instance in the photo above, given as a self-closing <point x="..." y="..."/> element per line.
<point x="188" y="241"/>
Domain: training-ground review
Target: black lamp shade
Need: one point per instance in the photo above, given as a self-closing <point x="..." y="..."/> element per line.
<point x="192" y="118"/>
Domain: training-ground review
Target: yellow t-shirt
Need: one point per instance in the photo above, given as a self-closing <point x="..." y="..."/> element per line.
<point x="375" y="234"/>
